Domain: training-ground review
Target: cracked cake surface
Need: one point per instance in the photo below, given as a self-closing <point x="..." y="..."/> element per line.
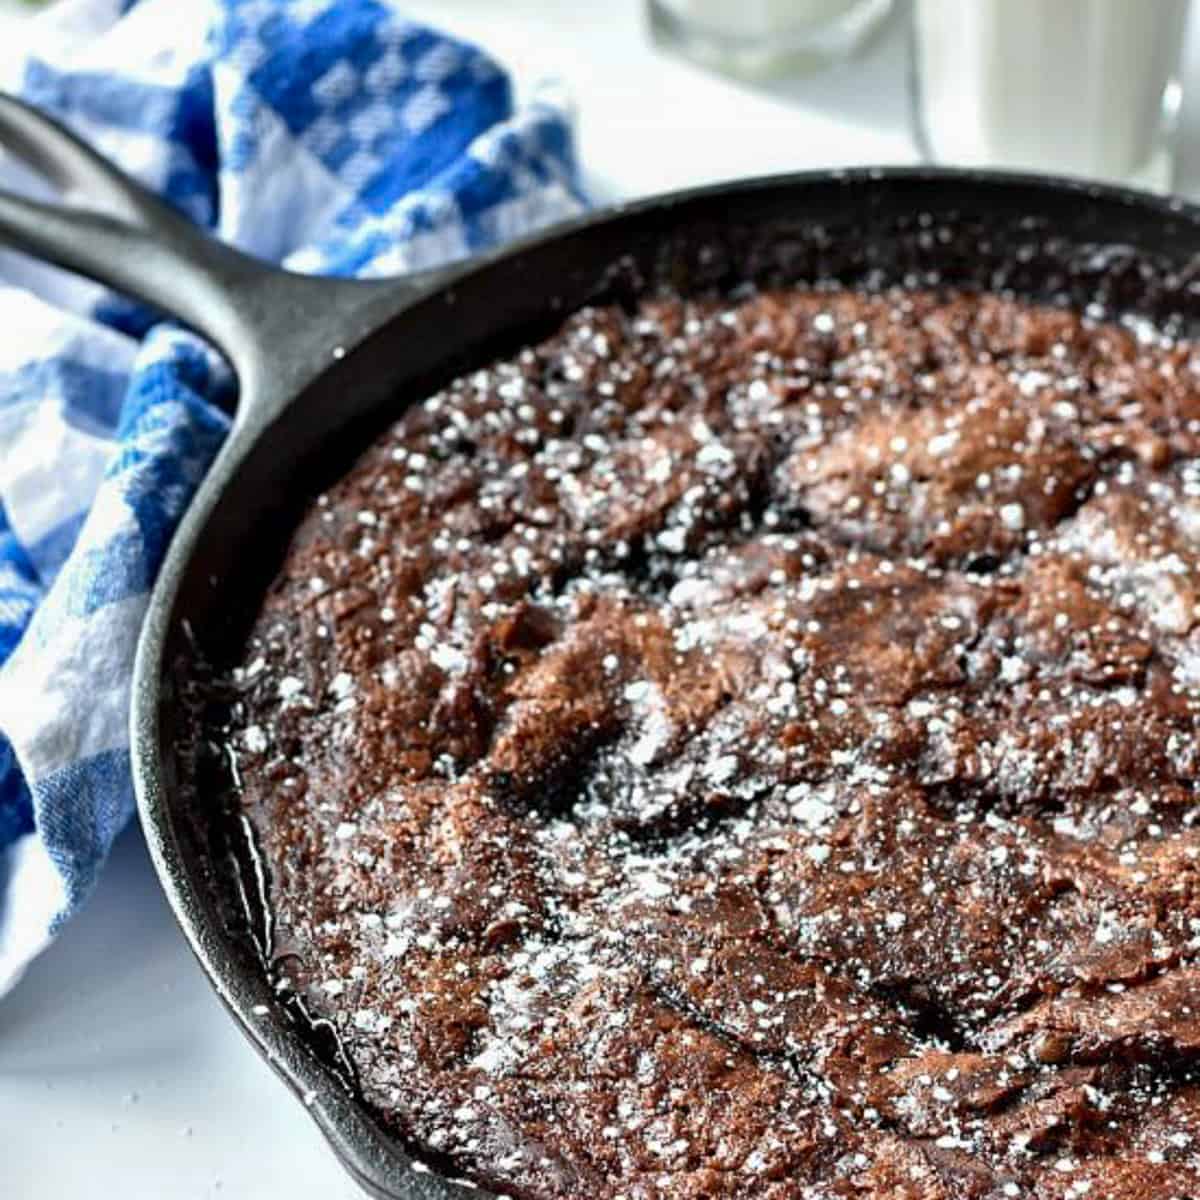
<point x="746" y="747"/>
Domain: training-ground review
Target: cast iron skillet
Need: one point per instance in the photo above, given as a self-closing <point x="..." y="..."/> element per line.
<point x="325" y="364"/>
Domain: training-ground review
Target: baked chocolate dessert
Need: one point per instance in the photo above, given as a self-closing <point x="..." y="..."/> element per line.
<point x="748" y="748"/>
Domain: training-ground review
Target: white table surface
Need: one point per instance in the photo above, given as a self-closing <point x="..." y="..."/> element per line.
<point x="120" y="1075"/>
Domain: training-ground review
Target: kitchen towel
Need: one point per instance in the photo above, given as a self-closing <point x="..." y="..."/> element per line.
<point x="330" y="135"/>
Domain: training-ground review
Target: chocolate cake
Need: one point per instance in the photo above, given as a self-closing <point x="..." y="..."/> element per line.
<point x="746" y="747"/>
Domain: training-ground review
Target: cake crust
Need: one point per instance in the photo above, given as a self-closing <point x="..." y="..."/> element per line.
<point x="747" y="748"/>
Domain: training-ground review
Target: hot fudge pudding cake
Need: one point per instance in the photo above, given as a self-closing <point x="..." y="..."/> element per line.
<point x="747" y="747"/>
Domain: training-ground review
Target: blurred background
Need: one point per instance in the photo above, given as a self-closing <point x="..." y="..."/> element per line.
<point x="676" y="92"/>
<point x="670" y="93"/>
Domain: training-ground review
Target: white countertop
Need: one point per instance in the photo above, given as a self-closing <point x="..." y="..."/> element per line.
<point x="120" y="1075"/>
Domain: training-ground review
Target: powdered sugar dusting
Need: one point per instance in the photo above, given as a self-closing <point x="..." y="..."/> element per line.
<point x="748" y="748"/>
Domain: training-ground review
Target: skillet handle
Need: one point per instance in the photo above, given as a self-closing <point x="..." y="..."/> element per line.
<point x="278" y="329"/>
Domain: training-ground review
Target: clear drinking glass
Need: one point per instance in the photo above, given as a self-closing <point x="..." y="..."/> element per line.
<point x="765" y="37"/>
<point x="1068" y="87"/>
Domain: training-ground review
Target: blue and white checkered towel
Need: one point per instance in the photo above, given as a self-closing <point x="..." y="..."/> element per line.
<point x="330" y="135"/>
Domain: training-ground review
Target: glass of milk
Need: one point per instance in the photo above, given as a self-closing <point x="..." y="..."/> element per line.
<point x="765" y="37"/>
<point x="1067" y="87"/>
